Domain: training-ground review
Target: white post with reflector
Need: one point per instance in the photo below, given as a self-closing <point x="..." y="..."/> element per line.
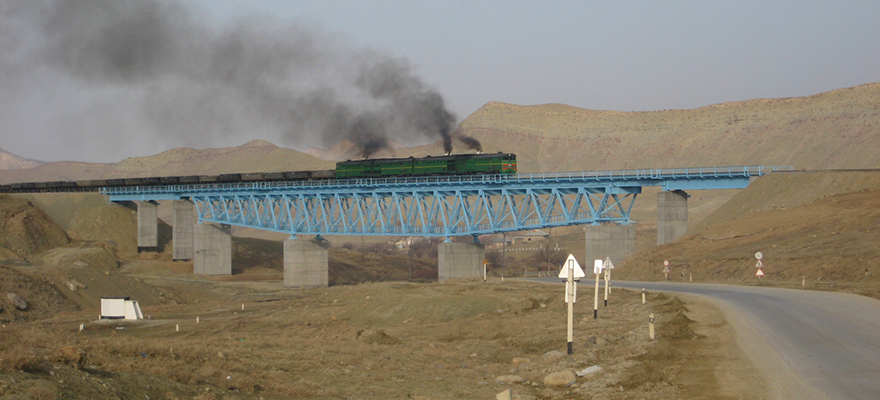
<point x="571" y="272"/>
<point x="597" y="269"/>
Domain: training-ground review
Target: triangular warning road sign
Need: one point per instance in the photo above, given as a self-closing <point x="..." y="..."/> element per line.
<point x="571" y="262"/>
<point x="759" y="273"/>
<point x="607" y="264"/>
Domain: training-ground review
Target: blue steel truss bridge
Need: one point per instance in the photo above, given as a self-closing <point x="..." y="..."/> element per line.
<point x="439" y="206"/>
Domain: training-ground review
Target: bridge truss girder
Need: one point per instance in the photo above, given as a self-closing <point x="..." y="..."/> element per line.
<point x="419" y="211"/>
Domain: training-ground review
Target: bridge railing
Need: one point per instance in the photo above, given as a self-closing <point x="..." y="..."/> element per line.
<point x="597" y="176"/>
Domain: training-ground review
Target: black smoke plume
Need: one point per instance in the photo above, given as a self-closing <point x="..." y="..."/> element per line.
<point x="470" y="142"/>
<point x="156" y="72"/>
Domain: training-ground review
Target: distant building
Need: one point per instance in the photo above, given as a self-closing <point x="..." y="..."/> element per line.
<point x="404" y="243"/>
<point x="528" y="236"/>
<point x="120" y="308"/>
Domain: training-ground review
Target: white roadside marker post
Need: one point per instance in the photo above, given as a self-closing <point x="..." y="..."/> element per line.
<point x="651" y="326"/>
<point x="666" y="269"/>
<point x="570" y="299"/>
<point x="606" y="288"/>
<point x="571" y="273"/>
<point x="597" y="269"/>
<point x="643" y="295"/>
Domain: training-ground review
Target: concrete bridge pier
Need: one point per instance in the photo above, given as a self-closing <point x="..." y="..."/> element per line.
<point x="148" y="225"/>
<point x="213" y="249"/>
<point x="306" y="262"/>
<point x="183" y="221"/>
<point x="460" y="260"/>
<point x="672" y="216"/>
<point x="608" y="241"/>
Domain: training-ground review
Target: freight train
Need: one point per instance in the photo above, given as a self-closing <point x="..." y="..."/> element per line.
<point x="459" y="164"/>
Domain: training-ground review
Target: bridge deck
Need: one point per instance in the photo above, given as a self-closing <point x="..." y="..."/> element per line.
<point x="667" y="178"/>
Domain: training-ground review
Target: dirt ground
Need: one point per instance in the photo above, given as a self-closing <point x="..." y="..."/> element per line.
<point x="225" y="338"/>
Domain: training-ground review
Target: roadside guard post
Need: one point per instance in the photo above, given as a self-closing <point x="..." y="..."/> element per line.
<point x="571" y="273"/>
<point x="597" y="269"/>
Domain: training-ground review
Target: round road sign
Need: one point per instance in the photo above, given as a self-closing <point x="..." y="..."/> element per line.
<point x="758" y="255"/>
<point x="666" y="263"/>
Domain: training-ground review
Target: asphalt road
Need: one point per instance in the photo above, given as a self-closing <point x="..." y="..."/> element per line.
<point x="808" y="344"/>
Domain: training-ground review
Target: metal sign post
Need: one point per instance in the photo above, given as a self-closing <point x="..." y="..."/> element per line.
<point x="607" y="266"/>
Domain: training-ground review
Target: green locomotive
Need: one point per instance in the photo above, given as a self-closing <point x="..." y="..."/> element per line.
<point x="459" y="164"/>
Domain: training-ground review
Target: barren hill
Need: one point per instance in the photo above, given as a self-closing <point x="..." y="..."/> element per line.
<point x="837" y="129"/>
<point x="12" y="161"/>
<point x="255" y="156"/>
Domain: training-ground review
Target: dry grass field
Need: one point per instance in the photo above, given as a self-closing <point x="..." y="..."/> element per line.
<point x="232" y="338"/>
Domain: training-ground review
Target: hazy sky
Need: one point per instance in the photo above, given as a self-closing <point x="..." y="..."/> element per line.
<point x="214" y="73"/>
